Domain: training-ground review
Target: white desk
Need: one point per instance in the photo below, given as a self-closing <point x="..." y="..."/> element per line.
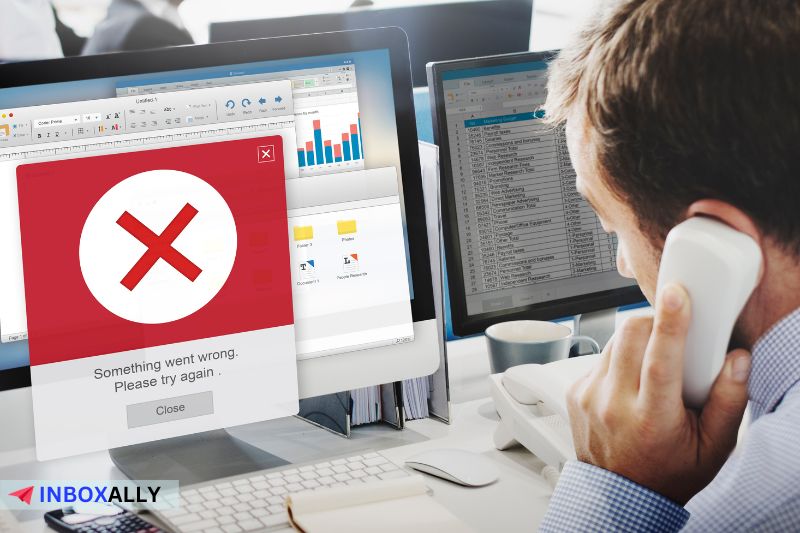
<point x="516" y="502"/>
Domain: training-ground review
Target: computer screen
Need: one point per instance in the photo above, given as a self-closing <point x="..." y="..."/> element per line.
<point x="436" y="31"/>
<point x="322" y="124"/>
<point x="329" y="124"/>
<point x="520" y="240"/>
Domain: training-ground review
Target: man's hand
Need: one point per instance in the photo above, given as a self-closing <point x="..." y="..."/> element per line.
<point x="628" y="416"/>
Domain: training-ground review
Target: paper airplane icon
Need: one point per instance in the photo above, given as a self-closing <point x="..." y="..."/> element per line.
<point x="24" y="495"/>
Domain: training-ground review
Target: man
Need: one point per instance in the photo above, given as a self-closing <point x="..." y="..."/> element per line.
<point x="71" y="43"/>
<point x="675" y="109"/>
<point x="31" y="30"/>
<point x="138" y="24"/>
<point x="28" y="31"/>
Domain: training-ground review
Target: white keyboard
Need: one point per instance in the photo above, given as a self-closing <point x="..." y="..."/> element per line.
<point x="255" y="501"/>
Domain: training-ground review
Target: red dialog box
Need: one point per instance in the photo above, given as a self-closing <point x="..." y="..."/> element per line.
<point x="142" y="249"/>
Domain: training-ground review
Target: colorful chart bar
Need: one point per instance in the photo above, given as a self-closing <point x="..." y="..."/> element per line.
<point x="323" y="151"/>
<point x="361" y="137"/>
<point x="310" y="153"/>
<point x="354" y="145"/>
<point x="346" y="146"/>
<point x="318" y="140"/>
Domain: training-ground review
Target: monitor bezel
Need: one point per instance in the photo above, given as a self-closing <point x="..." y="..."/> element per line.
<point x="258" y="50"/>
<point x="463" y="323"/>
<point x="392" y="15"/>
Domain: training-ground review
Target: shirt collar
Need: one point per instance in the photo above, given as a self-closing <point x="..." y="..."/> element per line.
<point x="164" y="9"/>
<point x="776" y="364"/>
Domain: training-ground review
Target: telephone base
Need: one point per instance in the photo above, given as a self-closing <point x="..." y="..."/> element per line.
<point x="504" y="438"/>
<point x="547" y="437"/>
<point x="531" y="402"/>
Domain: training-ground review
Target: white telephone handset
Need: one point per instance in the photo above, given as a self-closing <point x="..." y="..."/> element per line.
<point x="719" y="268"/>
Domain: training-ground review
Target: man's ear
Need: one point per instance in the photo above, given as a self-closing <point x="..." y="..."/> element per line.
<point x="733" y="217"/>
<point x="728" y="214"/>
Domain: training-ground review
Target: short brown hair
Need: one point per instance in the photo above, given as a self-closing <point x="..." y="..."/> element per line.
<point x="691" y="99"/>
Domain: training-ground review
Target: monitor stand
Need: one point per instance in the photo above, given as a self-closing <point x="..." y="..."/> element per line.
<point x="598" y="325"/>
<point x="193" y="458"/>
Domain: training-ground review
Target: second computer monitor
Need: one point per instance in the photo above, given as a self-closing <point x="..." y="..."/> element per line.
<point x="520" y="241"/>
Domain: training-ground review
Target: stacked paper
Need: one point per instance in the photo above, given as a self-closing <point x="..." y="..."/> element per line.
<point x="416" y="393"/>
<point x="366" y="405"/>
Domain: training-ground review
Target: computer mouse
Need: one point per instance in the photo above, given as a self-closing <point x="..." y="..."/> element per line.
<point x="459" y="466"/>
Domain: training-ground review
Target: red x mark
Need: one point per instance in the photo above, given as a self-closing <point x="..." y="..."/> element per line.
<point x="159" y="246"/>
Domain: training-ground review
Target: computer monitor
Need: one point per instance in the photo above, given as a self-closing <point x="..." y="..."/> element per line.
<point x="436" y="32"/>
<point x="520" y="241"/>
<point x="341" y="106"/>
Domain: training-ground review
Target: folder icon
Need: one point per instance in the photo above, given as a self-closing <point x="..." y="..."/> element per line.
<point x="303" y="233"/>
<point x="346" y="226"/>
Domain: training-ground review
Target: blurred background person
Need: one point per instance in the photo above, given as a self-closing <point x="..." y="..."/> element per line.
<point x="137" y="25"/>
<point x="28" y="31"/>
<point x="71" y="43"/>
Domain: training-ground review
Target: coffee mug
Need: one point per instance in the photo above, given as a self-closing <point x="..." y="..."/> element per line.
<point x="520" y="342"/>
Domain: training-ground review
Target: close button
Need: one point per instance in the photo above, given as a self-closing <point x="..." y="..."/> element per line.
<point x="169" y="409"/>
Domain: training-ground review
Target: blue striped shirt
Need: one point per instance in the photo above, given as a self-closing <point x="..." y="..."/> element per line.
<point x="758" y="488"/>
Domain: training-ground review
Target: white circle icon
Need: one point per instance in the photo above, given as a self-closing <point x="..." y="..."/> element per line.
<point x="158" y="246"/>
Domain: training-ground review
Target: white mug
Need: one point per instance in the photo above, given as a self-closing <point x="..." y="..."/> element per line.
<point x="521" y="342"/>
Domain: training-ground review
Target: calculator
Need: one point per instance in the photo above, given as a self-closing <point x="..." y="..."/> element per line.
<point x="68" y="521"/>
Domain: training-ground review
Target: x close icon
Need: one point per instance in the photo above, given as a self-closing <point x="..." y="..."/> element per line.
<point x="266" y="154"/>
<point x="159" y="246"/>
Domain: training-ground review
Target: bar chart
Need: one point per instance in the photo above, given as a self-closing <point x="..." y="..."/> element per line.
<point x="330" y="141"/>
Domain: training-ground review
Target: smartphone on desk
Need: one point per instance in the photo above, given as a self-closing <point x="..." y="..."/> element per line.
<point x="67" y="520"/>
